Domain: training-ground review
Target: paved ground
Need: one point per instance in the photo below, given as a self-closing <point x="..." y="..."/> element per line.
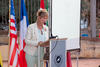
<point x="86" y="63"/>
<point x="81" y="63"/>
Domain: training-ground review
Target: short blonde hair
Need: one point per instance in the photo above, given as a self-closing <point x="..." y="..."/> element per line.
<point x="42" y="13"/>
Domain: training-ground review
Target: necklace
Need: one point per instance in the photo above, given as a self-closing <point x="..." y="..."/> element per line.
<point x="41" y="32"/>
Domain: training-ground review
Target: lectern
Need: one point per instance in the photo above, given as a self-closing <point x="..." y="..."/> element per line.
<point x="58" y="52"/>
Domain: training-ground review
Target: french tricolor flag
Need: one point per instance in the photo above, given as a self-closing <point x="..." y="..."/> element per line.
<point x="23" y="29"/>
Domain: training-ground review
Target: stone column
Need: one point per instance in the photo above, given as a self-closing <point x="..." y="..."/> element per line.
<point x="93" y="18"/>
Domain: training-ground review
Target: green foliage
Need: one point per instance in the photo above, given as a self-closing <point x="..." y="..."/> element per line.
<point x="4" y="10"/>
<point x="32" y="7"/>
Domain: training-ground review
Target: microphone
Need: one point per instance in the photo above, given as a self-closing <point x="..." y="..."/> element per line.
<point x="53" y="36"/>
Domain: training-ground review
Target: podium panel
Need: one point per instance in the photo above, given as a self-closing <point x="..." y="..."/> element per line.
<point x="58" y="53"/>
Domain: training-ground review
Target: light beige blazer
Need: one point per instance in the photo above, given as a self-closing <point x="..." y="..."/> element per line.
<point x="31" y="38"/>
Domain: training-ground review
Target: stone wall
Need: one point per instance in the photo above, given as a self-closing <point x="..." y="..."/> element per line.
<point x="4" y="52"/>
<point x="89" y="49"/>
<point x="4" y="46"/>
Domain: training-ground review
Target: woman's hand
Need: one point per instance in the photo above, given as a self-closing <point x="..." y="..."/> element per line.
<point x="39" y="43"/>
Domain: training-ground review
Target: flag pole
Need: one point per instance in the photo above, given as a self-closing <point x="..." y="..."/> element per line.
<point x="9" y="32"/>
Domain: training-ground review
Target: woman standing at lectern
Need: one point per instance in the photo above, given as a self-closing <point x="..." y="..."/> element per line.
<point x="37" y="33"/>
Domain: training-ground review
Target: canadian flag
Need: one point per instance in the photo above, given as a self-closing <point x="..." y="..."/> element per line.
<point x="42" y="6"/>
<point x="68" y="61"/>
